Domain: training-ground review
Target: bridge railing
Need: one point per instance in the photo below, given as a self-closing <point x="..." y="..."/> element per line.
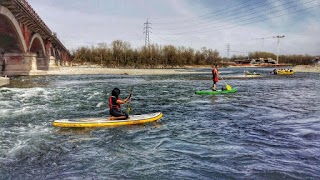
<point x="27" y="6"/>
<point x="30" y="10"/>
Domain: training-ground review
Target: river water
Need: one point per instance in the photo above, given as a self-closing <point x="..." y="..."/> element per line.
<point x="268" y="129"/>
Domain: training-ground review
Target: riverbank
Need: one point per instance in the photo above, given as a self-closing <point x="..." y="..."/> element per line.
<point x="76" y="70"/>
<point x="307" y="68"/>
<point x="120" y="71"/>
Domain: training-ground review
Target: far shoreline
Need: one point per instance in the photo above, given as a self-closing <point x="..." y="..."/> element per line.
<point x="82" y="70"/>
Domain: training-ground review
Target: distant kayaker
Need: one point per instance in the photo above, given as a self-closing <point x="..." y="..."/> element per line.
<point x="114" y="104"/>
<point x="275" y="71"/>
<point x="215" y="77"/>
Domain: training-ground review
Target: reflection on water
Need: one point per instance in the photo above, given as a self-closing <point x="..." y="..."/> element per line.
<point x="268" y="129"/>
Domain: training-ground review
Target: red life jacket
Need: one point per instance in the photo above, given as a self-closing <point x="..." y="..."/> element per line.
<point x="113" y="103"/>
<point x="215" y="74"/>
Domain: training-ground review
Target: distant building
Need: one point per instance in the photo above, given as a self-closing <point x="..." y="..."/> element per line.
<point x="255" y="61"/>
<point x="315" y="61"/>
<point x="242" y="61"/>
<point x="263" y="61"/>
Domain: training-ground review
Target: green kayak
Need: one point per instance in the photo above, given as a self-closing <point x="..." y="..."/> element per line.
<point x="216" y="92"/>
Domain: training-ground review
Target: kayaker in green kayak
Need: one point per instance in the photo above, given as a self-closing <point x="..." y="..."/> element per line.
<point x="114" y="104"/>
<point x="215" y="76"/>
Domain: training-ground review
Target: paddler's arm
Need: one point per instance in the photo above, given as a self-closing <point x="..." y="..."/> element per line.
<point x="119" y="101"/>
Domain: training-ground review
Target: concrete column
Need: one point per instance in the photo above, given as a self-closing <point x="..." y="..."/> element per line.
<point x="41" y="63"/>
<point x="17" y="64"/>
<point x="31" y="58"/>
<point x="52" y="64"/>
<point x="25" y="64"/>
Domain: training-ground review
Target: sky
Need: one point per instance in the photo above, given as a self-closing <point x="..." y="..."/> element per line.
<point x="244" y="25"/>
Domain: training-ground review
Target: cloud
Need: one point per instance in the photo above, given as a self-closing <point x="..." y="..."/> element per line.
<point x="83" y="23"/>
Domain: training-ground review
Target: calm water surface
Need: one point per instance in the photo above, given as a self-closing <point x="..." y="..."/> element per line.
<point x="269" y="129"/>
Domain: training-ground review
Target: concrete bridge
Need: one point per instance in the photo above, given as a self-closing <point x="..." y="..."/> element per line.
<point x="30" y="47"/>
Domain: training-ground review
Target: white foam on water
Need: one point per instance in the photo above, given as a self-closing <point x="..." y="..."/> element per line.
<point x="95" y="94"/>
<point x="19" y="101"/>
<point x="5" y="112"/>
<point x="100" y="104"/>
<point x="17" y="149"/>
<point x="104" y="81"/>
<point x="26" y="94"/>
<point x="23" y="137"/>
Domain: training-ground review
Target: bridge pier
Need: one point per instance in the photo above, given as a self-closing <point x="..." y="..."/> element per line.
<point x="42" y="63"/>
<point x="52" y="64"/>
<point x="25" y="64"/>
<point x="33" y="62"/>
<point x="17" y="64"/>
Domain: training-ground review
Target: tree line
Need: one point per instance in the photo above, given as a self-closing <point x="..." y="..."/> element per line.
<point x="122" y="54"/>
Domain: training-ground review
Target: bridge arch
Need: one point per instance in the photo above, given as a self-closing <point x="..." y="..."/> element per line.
<point x="10" y="33"/>
<point x="37" y="45"/>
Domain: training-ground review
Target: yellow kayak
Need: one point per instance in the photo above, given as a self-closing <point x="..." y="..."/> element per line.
<point x="103" y="122"/>
<point x="289" y="72"/>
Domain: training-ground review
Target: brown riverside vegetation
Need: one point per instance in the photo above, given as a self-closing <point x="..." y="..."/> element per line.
<point x="120" y="54"/>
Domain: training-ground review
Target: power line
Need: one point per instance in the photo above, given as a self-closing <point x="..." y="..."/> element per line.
<point x="235" y="16"/>
<point x="262" y="15"/>
<point x="278" y="46"/>
<point x="236" y="11"/>
<point x="204" y="15"/>
<point x="249" y="19"/>
<point x="164" y="37"/>
<point x="246" y="15"/>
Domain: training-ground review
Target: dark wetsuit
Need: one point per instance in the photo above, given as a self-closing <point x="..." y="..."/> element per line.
<point x="115" y="108"/>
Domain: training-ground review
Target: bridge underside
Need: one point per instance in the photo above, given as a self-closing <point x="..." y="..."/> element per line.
<point x="10" y="42"/>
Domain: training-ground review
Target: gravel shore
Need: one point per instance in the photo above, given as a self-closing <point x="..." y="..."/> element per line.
<point x="123" y="71"/>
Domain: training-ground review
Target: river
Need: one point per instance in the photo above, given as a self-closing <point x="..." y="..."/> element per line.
<point x="268" y="129"/>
